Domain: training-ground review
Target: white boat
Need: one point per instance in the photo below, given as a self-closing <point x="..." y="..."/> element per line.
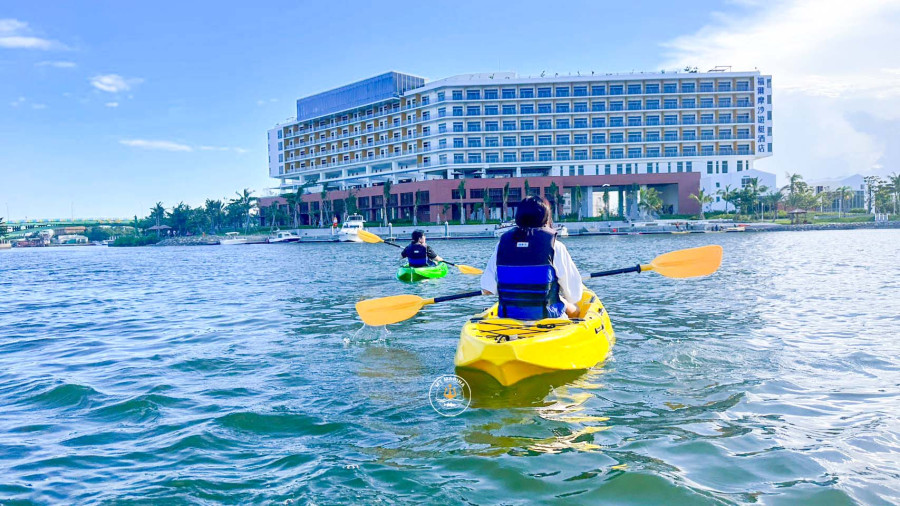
<point x="350" y="229"/>
<point x="283" y="236"/>
<point x="232" y="238"/>
<point x="561" y="230"/>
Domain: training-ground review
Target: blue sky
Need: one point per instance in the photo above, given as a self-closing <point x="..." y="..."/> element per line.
<point x="108" y="107"/>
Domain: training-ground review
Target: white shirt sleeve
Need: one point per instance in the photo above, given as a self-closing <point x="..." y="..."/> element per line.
<point x="489" y="277"/>
<point x="570" y="283"/>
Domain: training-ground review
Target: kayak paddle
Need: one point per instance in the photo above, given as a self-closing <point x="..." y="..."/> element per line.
<point x="371" y="238"/>
<point x="397" y="308"/>
<point x="683" y="263"/>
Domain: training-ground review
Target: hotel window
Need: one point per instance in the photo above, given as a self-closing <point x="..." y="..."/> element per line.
<point x="740" y="163"/>
<point x="562" y="107"/>
<point x="634" y="153"/>
<point x="490" y="110"/>
<point x="706" y="119"/>
<point x="634" y="137"/>
<point x="689" y="119"/>
<point x="490" y="126"/>
<point x="508" y="93"/>
<point x="509" y="157"/>
<point x="509" y="141"/>
<point x="706" y="103"/>
<point x="281" y="157"/>
<point x="616" y="89"/>
<point x="689" y="165"/>
<point x="598" y="91"/>
<point x="279" y="134"/>
<point x="562" y="91"/>
<point x="580" y="91"/>
<point x="527" y="156"/>
<point x="562" y="155"/>
<point x="509" y="126"/>
<point x="688" y="103"/>
<point x="425" y="132"/>
<point x="473" y="94"/>
<point x="457" y="127"/>
<point x="473" y="126"/>
<point x="442" y="143"/>
<point x="491" y="142"/>
<point x="598" y="106"/>
<point x="653" y="153"/>
<point x="634" y="105"/>
<point x="526" y="124"/>
<point x="651" y="88"/>
<point x="473" y="110"/>
<point x="442" y="112"/>
<point x="724" y="102"/>
<point x="545" y="92"/>
<point x="544" y="108"/>
<point x="680" y="167"/>
<point x="562" y="123"/>
<point x="769" y="115"/>
<point x="598" y="138"/>
<point x="581" y="154"/>
<point x="441" y="96"/>
<point x="562" y="139"/>
<point x="490" y="94"/>
<point x="526" y="109"/>
<point x="724" y="166"/>
<point x="492" y="157"/>
<point x="725" y="135"/>
<point x="527" y="140"/>
<point x="509" y="109"/>
<point x="671" y="151"/>
<point x="634" y="121"/>
<point x="581" y="139"/>
<point x="689" y="135"/>
<point x="545" y="140"/>
<point x="634" y="89"/>
<point x="581" y="123"/>
<point x="457" y="94"/>
<point x="526" y="93"/>
<point x="724" y="118"/>
<point x="458" y="158"/>
<point x="670" y="88"/>
<point x="743" y="118"/>
<point x="599" y="154"/>
<point x="581" y="107"/>
<point x="652" y="120"/>
<point x="442" y="159"/>
<point x="474" y="142"/>
<point x="616" y="106"/>
<point x="706" y="87"/>
<point x="606" y="169"/>
<point x="545" y="124"/>
<point x="726" y="86"/>
<point x="616" y="137"/>
<point x="670" y="135"/>
<point x="616" y="121"/>
<point x="474" y="157"/>
<point x="458" y="111"/>
<point x="545" y="156"/>
<point x="598" y="122"/>
<point x="652" y="104"/>
<point x="280" y="146"/>
<point x="670" y="103"/>
<point x="688" y="87"/>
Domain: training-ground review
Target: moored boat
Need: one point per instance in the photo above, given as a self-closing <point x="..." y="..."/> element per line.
<point x="282" y="236"/>
<point x="350" y="229"/>
<point x="233" y="238"/>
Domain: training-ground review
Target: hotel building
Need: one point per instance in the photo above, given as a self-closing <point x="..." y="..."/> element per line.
<point x="670" y="131"/>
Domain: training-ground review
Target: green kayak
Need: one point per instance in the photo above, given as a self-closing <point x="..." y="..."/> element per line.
<point x="413" y="274"/>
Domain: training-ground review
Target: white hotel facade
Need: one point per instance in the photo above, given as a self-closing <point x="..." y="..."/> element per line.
<point x="499" y="125"/>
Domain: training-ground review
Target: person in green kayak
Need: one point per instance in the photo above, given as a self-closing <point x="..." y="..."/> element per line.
<point x="531" y="272"/>
<point x="418" y="253"/>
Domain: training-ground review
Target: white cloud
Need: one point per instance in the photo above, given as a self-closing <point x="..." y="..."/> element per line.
<point x="834" y="66"/>
<point x="15" y="34"/>
<point x="17" y="102"/>
<point x="38" y="106"/>
<point x="264" y="102"/>
<point x="114" y="83"/>
<point x="57" y="64"/>
<point x="174" y="146"/>
<point x="156" y="145"/>
<point x="112" y="104"/>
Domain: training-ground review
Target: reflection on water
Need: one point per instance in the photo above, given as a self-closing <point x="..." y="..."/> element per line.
<point x="242" y="375"/>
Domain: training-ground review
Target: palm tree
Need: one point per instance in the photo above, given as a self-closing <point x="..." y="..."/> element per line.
<point x="727" y="195"/>
<point x="527" y="189"/>
<point x="386" y="191"/>
<point x="578" y="200"/>
<point x="894" y="180"/>
<point x="553" y="190"/>
<point x="3" y="229"/>
<point x="702" y="199"/>
<point x="772" y="199"/>
<point x="485" y="205"/>
<point x="244" y="202"/>
<point x="415" y="212"/>
<point x="606" y="201"/>
<point x="843" y="192"/>
<point x="793" y="183"/>
<point x="214" y="211"/>
<point x="323" y="195"/>
<point x="293" y="200"/>
<point x="462" y="206"/>
<point x="351" y="205"/>
<point x="505" y="202"/>
<point x="650" y="200"/>
<point x="158" y="213"/>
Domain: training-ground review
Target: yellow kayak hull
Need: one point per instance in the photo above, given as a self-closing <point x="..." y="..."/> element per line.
<point x="511" y="350"/>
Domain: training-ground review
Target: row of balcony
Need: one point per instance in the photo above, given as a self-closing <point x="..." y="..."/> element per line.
<point x="594" y="91"/>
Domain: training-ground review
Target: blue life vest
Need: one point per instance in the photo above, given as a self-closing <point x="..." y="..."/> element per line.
<point x="526" y="282"/>
<point x="417" y="255"/>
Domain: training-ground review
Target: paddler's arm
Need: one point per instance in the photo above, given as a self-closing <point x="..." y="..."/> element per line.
<point x="489" y="277"/>
<point x="570" y="283"/>
<point x="432" y="255"/>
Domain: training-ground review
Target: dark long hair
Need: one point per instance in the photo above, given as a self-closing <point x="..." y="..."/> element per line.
<point x="533" y="212"/>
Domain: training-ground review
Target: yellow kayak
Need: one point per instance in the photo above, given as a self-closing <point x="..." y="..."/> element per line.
<point x="512" y="350"/>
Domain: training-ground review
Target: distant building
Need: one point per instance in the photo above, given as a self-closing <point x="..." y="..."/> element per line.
<point x="620" y="130"/>
<point x="855" y="198"/>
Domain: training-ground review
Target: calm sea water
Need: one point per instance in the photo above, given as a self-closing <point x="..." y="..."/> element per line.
<point x="242" y="374"/>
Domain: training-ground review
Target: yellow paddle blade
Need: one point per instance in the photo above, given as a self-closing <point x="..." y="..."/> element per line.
<point x="687" y="263"/>
<point x="387" y="310"/>
<point x="369" y="237"/>
<point x="468" y="269"/>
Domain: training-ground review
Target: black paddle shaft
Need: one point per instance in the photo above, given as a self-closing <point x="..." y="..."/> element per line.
<point x="457" y="296"/>
<point x="636" y="268"/>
